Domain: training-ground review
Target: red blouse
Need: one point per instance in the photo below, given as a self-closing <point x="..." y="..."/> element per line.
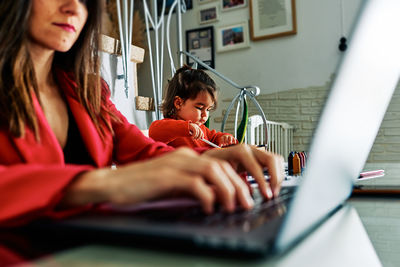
<point x="33" y="175"/>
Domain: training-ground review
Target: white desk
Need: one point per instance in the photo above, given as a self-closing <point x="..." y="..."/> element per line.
<point x="381" y="215"/>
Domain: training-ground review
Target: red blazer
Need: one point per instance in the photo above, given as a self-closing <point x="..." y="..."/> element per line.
<point x="176" y="133"/>
<point x="33" y="174"/>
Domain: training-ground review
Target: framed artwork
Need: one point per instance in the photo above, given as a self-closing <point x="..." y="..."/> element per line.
<point x="204" y="1"/>
<point x="208" y="15"/>
<point x="168" y="4"/>
<point x="200" y="43"/>
<point x="272" y="18"/>
<point x="232" y="37"/>
<point x="228" y="5"/>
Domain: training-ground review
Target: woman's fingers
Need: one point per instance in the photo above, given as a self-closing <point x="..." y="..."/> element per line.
<point x="229" y="186"/>
<point x="275" y="166"/>
<point x="166" y="181"/>
<point x="243" y="194"/>
<point x="227" y="183"/>
<point x="205" y="178"/>
<point x="253" y="161"/>
<point x="214" y="174"/>
<point x="188" y="161"/>
<point x="196" y="186"/>
<point x="246" y="157"/>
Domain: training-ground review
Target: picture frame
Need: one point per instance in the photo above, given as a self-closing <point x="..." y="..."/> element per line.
<point x="200" y="43"/>
<point x="232" y="37"/>
<point x="228" y="5"/>
<point x="208" y="15"/>
<point x="280" y="23"/>
<point x="200" y="2"/>
<point x="168" y="4"/>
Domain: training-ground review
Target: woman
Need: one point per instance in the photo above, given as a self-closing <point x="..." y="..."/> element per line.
<point x="60" y="132"/>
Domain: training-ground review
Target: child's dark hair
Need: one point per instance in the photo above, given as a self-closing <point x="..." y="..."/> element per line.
<point x="187" y="83"/>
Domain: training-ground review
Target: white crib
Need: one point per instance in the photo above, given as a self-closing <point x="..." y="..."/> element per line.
<point x="279" y="137"/>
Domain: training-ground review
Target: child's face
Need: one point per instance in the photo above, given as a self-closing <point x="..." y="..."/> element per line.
<point x="195" y="110"/>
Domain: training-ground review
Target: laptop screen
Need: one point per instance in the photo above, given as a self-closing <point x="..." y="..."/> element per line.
<point x="365" y="81"/>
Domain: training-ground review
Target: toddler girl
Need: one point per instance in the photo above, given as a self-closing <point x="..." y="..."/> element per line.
<point x="189" y="97"/>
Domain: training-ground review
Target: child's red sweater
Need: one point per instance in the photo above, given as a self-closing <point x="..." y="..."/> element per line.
<point x="176" y="133"/>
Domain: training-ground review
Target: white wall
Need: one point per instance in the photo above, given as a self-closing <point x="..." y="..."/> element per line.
<point x="298" y="61"/>
<point x="111" y="68"/>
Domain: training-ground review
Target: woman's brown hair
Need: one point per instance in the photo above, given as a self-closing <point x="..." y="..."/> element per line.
<point x="17" y="76"/>
<point x="187" y="83"/>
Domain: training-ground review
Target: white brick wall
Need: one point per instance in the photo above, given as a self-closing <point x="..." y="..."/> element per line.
<point x="301" y="108"/>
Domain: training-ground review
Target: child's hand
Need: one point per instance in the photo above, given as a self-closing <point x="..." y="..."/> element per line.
<point x="227" y="140"/>
<point x="195" y="131"/>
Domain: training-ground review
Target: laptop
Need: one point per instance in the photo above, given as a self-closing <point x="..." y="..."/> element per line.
<point x="350" y="120"/>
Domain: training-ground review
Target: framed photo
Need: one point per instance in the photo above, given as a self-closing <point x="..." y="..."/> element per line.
<point x="232" y="37"/>
<point x="168" y="4"/>
<point x="200" y="43"/>
<point x="208" y="15"/>
<point x="272" y="18"/>
<point x="204" y="1"/>
<point x="232" y="4"/>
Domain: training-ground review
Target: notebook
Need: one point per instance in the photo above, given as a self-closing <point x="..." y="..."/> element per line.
<point x="350" y="120"/>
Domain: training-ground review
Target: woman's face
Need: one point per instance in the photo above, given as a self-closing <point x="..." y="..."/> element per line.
<point x="56" y="24"/>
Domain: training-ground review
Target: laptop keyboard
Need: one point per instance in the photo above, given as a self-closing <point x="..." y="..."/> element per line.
<point x="263" y="211"/>
<point x="246" y="220"/>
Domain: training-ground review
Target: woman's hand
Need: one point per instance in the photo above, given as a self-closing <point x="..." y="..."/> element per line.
<point x="180" y="172"/>
<point x="195" y="131"/>
<point x="227" y="140"/>
<point x="253" y="160"/>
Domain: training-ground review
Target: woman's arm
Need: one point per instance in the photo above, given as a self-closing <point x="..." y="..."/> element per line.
<point x="208" y="177"/>
<point x="30" y="191"/>
<point x="180" y="172"/>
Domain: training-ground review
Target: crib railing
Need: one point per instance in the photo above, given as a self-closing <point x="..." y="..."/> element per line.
<point x="279" y="135"/>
